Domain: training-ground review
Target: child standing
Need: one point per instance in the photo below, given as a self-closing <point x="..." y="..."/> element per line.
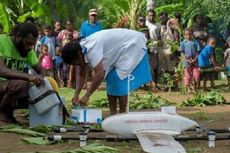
<point x="49" y="40"/>
<point x="58" y="64"/>
<point x="189" y="49"/>
<point x="206" y="60"/>
<point x="38" y="42"/>
<point x="227" y="62"/>
<point x="72" y="69"/>
<point x="46" y="61"/>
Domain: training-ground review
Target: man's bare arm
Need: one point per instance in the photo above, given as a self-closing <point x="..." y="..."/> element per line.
<point x="81" y="77"/>
<point x="39" y="69"/>
<point x="98" y="76"/>
<point x="10" y="74"/>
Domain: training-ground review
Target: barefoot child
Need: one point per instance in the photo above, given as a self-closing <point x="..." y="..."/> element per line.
<point x="207" y="60"/>
<point x="189" y="49"/>
<point x="58" y="64"/>
<point x="46" y="61"/>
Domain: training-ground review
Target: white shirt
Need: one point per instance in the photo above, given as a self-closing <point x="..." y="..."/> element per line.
<point x="166" y="35"/>
<point x="154" y="30"/>
<point x="122" y="49"/>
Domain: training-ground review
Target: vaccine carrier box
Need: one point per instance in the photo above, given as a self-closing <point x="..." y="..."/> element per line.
<point x="48" y="108"/>
<point x="87" y="116"/>
<point x="47" y="99"/>
<point x="53" y="117"/>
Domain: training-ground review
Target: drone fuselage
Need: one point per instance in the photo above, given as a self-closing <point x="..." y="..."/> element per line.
<point x="125" y="125"/>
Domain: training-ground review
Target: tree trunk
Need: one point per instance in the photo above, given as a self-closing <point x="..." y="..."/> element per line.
<point x="150" y="4"/>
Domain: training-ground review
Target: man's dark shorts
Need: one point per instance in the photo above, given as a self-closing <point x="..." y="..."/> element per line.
<point x="17" y="90"/>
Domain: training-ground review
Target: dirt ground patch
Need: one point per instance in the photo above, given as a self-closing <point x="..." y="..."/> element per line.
<point x="209" y="117"/>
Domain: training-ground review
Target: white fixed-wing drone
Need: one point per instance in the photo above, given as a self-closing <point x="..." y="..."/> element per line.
<point x="154" y="130"/>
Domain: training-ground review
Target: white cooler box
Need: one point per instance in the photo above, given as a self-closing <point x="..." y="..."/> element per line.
<point x="53" y="117"/>
<point x="45" y="103"/>
<point x="48" y="109"/>
<point x="87" y="116"/>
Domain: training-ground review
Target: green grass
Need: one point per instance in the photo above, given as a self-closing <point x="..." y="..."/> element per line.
<point x="68" y="94"/>
<point x="201" y="116"/>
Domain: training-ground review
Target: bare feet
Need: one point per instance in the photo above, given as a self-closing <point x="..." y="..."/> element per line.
<point x="6" y="118"/>
<point x="155" y="89"/>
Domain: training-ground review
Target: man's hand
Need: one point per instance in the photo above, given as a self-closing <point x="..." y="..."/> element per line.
<point x="75" y="100"/>
<point x="84" y="100"/>
<point x="36" y="79"/>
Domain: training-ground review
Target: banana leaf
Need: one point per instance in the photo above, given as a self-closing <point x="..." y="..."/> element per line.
<point x="4" y="17"/>
<point x="42" y="128"/>
<point x="9" y="126"/>
<point x="38" y="141"/>
<point x="24" y="132"/>
<point x="170" y="8"/>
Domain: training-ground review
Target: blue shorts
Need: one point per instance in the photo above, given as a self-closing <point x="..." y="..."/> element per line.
<point x="228" y="70"/>
<point x="117" y="87"/>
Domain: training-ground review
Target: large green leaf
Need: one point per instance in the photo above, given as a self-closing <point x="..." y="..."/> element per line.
<point x="40" y="9"/>
<point x="24" y="132"/>
<point x="22" y="18"/>
<point x="4" y="17"/>
<point x="170" y="8"/>
<point x="116" y="9"/>
<point x="37" y="141"/>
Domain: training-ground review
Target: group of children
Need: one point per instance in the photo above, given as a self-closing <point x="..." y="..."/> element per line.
<point x="52" y="66"/>
<point x="49" y="52"/>
<point x="196" y="60"/>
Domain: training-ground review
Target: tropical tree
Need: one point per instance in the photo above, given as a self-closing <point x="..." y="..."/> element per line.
<point x="217" y="10"/>
<point x="4" y="18"/>
<point x="13" y="11"/>
<point x="45" y="11"/>
<point x="113" y="10"/>
<point x="150" y="4"/>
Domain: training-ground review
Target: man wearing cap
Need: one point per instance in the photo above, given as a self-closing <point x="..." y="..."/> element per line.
<point x="91" y="25"/>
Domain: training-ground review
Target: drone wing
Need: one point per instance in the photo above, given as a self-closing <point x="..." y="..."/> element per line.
<point x="155" y="142"/>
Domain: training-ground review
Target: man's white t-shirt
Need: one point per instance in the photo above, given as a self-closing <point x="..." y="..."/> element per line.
<point x="154" y="30"/>
<point x="122" y="49"/>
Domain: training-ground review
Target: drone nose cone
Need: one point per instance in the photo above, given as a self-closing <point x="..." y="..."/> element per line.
<point x="105" y="125"/>
<point x="187" y="124"/>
